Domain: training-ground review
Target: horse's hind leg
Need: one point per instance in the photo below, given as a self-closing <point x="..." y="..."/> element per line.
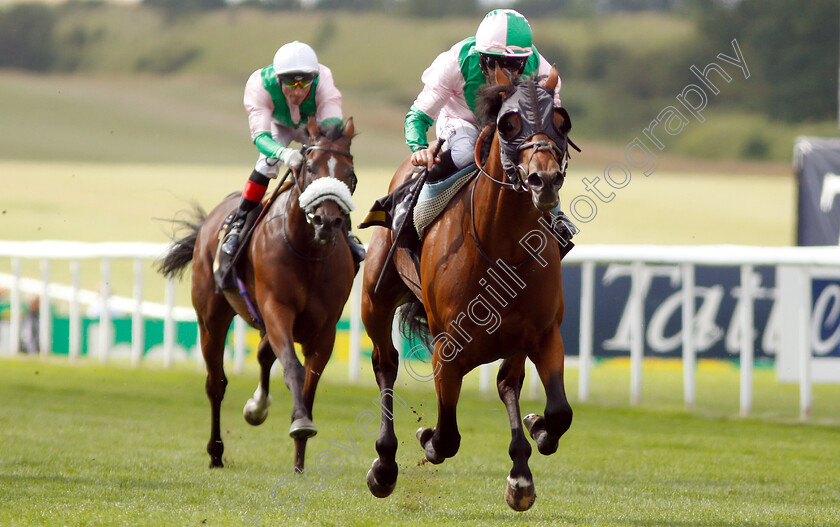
<point x="213" y="335"/>
<point x="546" y="431"/>
<point x="444" y="440"/>
<point x="520" y="492"/>
<point x="256" y="409"/>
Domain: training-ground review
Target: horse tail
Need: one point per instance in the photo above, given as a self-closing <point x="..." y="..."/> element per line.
<point x="413" y="322"/>
<point x="180" y="251"/>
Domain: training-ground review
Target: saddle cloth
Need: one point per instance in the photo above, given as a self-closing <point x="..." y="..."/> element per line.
<point x="432" y="200"/>
<point x="435" y="196"/>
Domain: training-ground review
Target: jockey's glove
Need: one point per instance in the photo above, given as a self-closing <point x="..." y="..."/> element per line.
<point x="290" y="157"/>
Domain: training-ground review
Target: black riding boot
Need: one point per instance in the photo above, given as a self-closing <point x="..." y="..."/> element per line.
<point x="445" y="168"/>
<point x="251" y="196"/>
<point x="357" y="249"/>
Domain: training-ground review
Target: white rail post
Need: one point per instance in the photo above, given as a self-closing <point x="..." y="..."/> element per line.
<point x="747" y="351"/>
<point x="689" y="356"/>
<point x="355" y="351"/>
<point x="104" y="312"/>
<point x="805" y="386"/>
<point x="75" y="331"/>
<point x="138" y="331"/>
<point x="587" y="308"/>
<point x="14" y="316"/>
<point x="485" y="376"/>
<point x="637" y="333"/>
<point x="169" y="323"/>
<point x="44" y="318"/>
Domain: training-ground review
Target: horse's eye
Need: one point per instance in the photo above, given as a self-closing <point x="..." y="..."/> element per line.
<point x="309" y="168"/>
<point x="509" y="126"/>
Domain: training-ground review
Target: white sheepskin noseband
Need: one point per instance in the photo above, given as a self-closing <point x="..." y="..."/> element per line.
<point x="327" y="188"/>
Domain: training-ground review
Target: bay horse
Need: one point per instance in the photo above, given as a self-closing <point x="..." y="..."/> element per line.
<point x="486" y="249"/>
<point x="299" y="272"/>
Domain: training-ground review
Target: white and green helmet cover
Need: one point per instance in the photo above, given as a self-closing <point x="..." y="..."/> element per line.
<point x="504" y="32"/>
<point x="296" y="58"/>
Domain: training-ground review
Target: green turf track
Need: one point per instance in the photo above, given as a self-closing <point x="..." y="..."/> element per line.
<point x="97" y="445"/>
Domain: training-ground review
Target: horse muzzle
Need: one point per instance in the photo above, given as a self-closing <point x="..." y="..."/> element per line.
<point x="544" y="187"/>
<point x="326" y="228"/>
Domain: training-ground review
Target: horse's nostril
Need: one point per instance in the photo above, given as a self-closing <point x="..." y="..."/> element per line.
<point x="317" y="220"/>
<point x="535" y="181"/>
<point x="337" y="223"/>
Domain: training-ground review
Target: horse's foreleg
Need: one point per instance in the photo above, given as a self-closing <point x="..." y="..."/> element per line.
<point x="317" y="354"/>
<point x="520" y="492"/>
<point x="382" y="476"/>
<point x="546" y="431"/>
<point x="213" y="347"/>
<point x="279" y="322"/>
<point x="444" y="440"/>
<point x="256" y="409"/>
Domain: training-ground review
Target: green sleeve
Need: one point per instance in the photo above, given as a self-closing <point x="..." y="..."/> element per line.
<point x="267" y="145"/>
<point x="417" y="124"/>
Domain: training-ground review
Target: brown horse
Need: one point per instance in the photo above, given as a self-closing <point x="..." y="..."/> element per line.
<point x="299" y="273"/>
<point x="490" y="285"/>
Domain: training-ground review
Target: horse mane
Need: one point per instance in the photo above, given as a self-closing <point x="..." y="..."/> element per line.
<point x="489" y="102"/>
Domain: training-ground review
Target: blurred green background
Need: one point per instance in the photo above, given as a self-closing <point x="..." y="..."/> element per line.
<point x="114" y="116"/>
<point x="161" y="80"/>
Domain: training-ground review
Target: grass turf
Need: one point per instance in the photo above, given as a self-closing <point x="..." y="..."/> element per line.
<point x="93" y="445"/>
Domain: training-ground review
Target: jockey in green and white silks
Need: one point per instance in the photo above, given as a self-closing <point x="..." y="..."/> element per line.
<point x="451" y="86"/>
<point x="280" y="98"/>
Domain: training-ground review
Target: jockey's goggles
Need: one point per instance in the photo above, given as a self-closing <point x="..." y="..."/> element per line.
<point x="513" y="64"/>
<point x="294" y="84"/>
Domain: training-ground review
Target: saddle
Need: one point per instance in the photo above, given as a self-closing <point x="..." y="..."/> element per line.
<point x="227" y="268"/>
<point x="430" y="199"/>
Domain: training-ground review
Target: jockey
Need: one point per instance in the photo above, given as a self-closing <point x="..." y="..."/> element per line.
<point x="452" y="84"/>
<point x="279" y="99"/>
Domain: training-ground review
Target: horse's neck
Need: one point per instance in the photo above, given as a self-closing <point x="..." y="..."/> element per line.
<point x="296" y="229"/>
<point x="502" y="217"/>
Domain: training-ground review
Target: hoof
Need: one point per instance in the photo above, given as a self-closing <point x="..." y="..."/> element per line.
<point x="533" y="419"/>
<point x="535" y="424"/>
<point x="254" y="414"/>
<point x="216" y="449"/>
<point x="302" y="428"/>
<point x="424" y="435"/>
<point x="377" y="489"/>
<point x="520" y="494"/>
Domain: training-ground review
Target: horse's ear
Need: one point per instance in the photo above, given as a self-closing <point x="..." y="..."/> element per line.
<point x="501" y="78"/>
<point x="349" y="128"/>
<point x="313" y="129"/>
<point x="551" y="83"/>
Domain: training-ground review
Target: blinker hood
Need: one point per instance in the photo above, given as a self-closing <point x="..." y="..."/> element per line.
<point x="535" y="106"/>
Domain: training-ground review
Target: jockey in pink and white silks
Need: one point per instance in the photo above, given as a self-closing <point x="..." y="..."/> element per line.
<point x="452" y="84"/>
<point x="280" y="98"/>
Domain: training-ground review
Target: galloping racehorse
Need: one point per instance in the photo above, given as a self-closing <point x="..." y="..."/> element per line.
<point x="490" y="283"/>
<point x="299" y="272"/>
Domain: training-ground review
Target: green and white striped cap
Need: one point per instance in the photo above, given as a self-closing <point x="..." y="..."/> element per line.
<point x="504" y="32"/>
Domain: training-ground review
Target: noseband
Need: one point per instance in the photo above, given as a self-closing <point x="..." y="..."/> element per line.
<point x="330" y="188"/>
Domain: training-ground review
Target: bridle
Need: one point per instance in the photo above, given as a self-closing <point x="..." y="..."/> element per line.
<point x="516" y="173"/>
<point x="296" y="173"/>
